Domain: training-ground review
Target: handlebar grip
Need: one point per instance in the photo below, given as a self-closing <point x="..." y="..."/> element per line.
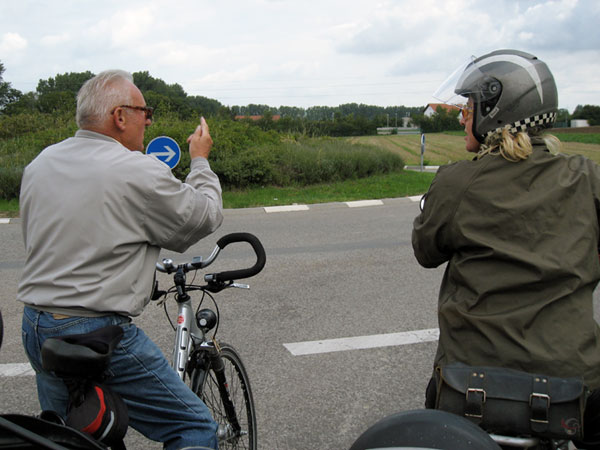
<point x="258" y="248"/>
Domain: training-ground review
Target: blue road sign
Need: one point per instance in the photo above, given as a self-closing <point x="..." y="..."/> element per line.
<point x="164" y="149"/>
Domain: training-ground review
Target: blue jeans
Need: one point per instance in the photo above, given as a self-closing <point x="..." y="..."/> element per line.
<point x="160" y="405"/>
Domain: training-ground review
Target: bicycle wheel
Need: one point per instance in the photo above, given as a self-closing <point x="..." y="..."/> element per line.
<point x="238" y="386"/>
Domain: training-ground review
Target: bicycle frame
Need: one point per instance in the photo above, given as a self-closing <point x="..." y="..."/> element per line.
<point x="186" y="331"/>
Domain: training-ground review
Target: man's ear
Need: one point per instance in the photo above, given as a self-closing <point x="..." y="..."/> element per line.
<point x="119" y="118"/>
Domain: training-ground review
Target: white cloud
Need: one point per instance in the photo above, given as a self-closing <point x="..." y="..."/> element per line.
<point x="223" y="76"/>
<point x="53" y="40"/>
<point x="12" y="42"/>
<point x="126" y="28"/>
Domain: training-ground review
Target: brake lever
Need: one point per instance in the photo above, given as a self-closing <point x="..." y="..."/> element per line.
<point x="218" y="286"/>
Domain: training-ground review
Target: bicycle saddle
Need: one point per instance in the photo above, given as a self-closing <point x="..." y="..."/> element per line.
<point x="81" y="355"/>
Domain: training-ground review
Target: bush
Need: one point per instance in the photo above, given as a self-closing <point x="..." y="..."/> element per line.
<point x="311" y="161"/>
<point x="243" y="155"/>
<point x="32" y="122"/>
<point x="253" y="166"/>
<point x="10" y="182"/>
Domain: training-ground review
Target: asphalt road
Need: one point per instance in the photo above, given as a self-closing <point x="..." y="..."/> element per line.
<point x="332" y="272"/>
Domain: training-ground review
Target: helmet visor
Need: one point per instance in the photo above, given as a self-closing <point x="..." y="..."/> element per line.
<point x="446" y="93"/>
<point x="468" y="81"/>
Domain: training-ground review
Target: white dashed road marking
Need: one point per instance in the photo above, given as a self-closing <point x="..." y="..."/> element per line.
<point x="363" y="342"/>
<point x="286" y="208"/>
<point x="361" y="203"/>
<point x="16" y="370"/>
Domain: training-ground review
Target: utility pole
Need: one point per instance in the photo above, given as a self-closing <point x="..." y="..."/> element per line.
<point x="422" y="149"/>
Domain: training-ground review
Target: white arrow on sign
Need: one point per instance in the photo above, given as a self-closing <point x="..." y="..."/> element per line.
<point x="169" y="153"/>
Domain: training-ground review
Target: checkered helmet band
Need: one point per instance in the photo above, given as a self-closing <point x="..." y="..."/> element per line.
<point x="541" y="120"/>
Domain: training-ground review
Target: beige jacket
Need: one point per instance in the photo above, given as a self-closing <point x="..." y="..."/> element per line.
<point x="95" y="216"/>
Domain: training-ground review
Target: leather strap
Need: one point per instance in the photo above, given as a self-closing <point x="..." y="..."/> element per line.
<point x="475" y="396"/>
<point x="539" y="401"/>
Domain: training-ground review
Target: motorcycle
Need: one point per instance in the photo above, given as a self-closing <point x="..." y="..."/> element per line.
<point x="435" y="429"/>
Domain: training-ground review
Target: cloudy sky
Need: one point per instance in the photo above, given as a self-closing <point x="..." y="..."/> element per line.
<point x="299" y="52"/>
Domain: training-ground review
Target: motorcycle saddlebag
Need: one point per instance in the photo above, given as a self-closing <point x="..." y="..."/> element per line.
<point x="511" y="402"/>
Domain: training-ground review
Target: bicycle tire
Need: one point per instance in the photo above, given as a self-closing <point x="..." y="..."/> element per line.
<point x="241" y="396"/>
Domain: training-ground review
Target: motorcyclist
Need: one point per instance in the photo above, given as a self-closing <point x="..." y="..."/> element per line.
<point x="519" y="228"/>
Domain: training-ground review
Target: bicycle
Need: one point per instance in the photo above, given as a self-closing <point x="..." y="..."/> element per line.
<point x="213" y="370"/>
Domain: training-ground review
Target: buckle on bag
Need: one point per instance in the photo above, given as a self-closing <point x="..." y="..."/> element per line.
<point x="542" y="397"/>
<point x="475" y="403"/>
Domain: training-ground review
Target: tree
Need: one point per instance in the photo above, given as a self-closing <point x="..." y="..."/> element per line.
<point x="591" y="113"/>
<point x="204" y="106"/>
<point x="8" y="95"/>
<point x="441" y="120"/>
<point x="25" y="103"/>
<point x="66" y="82"/>
<point x="562" y="118"/>
<point x="60" y="93"/>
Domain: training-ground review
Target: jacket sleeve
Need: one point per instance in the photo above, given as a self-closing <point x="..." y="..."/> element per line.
<point x="431" y="229"/>
<point x="180" y="214"/>
<point x="594" y="171"/>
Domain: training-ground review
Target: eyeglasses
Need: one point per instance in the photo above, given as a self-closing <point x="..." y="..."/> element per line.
<point x="146" y="109"/>
<point x="465" y="111"/>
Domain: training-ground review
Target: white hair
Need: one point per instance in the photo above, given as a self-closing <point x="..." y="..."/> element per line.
<point x="100" y="94"/>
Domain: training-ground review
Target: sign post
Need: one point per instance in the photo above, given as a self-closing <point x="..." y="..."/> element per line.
<point x="164" y="149"/>
<point x="422" y="149"/>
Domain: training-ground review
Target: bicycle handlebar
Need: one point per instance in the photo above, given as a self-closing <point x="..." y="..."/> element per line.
<point x="221" y="277"/>
<point x="238" y="274"/>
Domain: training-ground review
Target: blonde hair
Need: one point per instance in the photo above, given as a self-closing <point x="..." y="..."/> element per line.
<point x="516" y="147"/>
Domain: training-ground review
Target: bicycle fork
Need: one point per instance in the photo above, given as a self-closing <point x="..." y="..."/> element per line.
<point x="218" y="367"/>
<point x="210" y="358"/>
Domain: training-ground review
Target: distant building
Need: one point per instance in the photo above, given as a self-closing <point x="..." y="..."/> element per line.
<point x="275" y="117"/>
<point x="407" y="128"/>
<point x="398" y="130"/>
<point x="431" y="108"/>
<point x="577" y="123"/>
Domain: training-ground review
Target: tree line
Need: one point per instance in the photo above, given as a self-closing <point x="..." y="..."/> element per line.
<point x="57" y="96"/>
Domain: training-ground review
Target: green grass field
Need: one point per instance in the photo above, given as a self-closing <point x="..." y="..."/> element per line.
<point x="442" y="148"/>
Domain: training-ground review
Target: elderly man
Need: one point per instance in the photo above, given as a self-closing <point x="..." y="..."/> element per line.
<point x="95" y="214"/>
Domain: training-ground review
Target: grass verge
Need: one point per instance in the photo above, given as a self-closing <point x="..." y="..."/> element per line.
<point x="401" y="184"/>
<point x="9" y="208"/>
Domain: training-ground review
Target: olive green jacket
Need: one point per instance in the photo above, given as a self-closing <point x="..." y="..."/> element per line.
<point x="521" y="242"/>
